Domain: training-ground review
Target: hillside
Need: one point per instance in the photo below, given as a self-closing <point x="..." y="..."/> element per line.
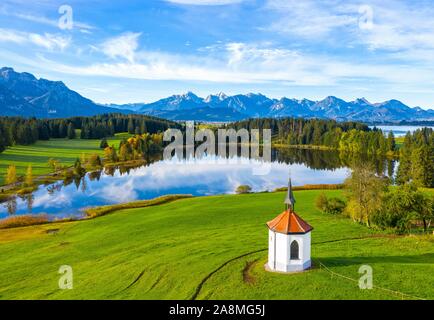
<point x="209" y="248"/>
<point x="38" y="154"/>
<point x="22" y="94"/>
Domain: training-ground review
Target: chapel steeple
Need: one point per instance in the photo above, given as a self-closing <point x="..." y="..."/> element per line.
<point x="289" y="239"/>
<point x="290" y="200"/>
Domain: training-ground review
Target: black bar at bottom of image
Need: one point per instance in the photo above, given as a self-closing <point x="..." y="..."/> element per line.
<point x="220" y="309"/>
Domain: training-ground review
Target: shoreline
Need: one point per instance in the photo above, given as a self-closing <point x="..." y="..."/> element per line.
<point x="11" y="190"/>
<point x="98" y="211"/>
<point x="394" y="155"/>
<point x="29" y="220"/>
<point x="53" y="177"/>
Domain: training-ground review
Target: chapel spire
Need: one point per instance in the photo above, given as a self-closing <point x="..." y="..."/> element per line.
<point x="289" y="200"/>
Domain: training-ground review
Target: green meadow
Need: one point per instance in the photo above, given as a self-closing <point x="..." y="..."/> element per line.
<point x="38" y="154"/>
<point x="210" y="248"/>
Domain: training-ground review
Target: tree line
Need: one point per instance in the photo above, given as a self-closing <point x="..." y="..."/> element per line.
<point x="139" y="146"/>
<point x="416" y="158"/>
<point x="22" y="131"/>
<point x="349" y="136"/>
<point x="373" y="201"/>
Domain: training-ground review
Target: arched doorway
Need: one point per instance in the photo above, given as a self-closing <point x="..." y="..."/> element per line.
<point x="294" y="250"/>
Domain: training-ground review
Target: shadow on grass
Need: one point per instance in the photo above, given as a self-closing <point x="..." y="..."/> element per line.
<point x="11" y="158"/>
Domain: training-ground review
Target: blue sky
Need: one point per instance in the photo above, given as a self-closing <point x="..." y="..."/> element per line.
<point x="140" y="51"/>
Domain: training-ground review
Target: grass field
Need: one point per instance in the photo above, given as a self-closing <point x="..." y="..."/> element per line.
<point x="39" y="153"/>
<point x="206" y="248"/>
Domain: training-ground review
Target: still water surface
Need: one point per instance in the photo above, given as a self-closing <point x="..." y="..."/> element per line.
<point x="206" y="176"/>
<point x="399" y="131"/>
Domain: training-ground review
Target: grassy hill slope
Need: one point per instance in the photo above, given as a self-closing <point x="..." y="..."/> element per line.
<point x="208" y="247"/>
<point x="38" y="154"/>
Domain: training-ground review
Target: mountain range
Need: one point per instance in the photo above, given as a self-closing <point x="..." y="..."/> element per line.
<point x="22" y="94"/>
<point x="221" y="107"/>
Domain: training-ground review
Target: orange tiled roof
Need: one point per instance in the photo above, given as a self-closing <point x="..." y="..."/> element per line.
<point x="289" y="222"/>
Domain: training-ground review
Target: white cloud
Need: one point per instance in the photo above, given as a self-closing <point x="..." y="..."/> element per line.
<point x="218" y="174"/>
<point x="123" y="46"/>
<point x="119" y="192"/>
<point x="47" y="40"/>
<point x="309" y="19"/>
<point x="396" y="25"/>
<point x="231" y="63"/>
<point x="83" y="27"/>
<point x="56" y="200"/>
<point x="205" y="2"/>
<point x="12" y="36"/>
<point x="400" y="27"/>
<point x="250" y="63"/>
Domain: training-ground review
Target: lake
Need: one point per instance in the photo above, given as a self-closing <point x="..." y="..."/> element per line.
<point x="399" y="131"/>
<point x="200" y="177"/>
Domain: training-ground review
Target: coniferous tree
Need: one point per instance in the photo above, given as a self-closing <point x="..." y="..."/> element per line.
<point x="43" y="131"/>
<point x="123" y="153"/>
<point x="422" y="169"/>
<point x="143" y="128"/>
<point x="404" y="170"/>
<point x="391" y="145"/>
<point x="78" y="169"/>
<point x="416" y="158"/>
<point x="11" y="175"/>
<point x="111" y="128"/>
<point x="71" y="131"/>
<point x="16" y="130"/>
<point x="103" y="144"/>
<point x="2" y="138"/>
<point x="29" y="177"/>
<point x="62" y="129"/>
<point x="110" y="154"/>
<point x="131" y="127"/>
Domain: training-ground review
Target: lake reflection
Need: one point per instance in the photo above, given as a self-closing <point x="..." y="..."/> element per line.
<point x="206" y="176"/>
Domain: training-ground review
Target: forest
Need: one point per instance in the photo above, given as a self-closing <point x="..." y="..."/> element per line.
<point x="21" y="131"/>
<point x="354" y="137"/>
<point x="416" y="155"/>
<point x="416" y="158"/>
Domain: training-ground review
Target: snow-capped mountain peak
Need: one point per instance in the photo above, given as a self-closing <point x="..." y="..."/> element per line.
<point x="23" y="94"/>
<point x="258" y="105"/>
